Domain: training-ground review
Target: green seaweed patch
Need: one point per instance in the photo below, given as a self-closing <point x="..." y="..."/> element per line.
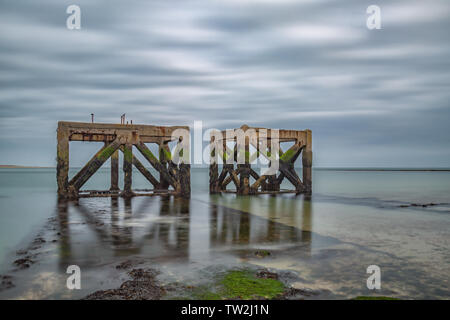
<point x="244" y="284"/>
<point x="128" y="154"/>
<point x="288" y="155"/>
<point x="147" y="153"/>
<point x="374" y="298"/>
<point x="238" y="284"/>
<point x="106" y="153"/>
<point x="165" y="153"/>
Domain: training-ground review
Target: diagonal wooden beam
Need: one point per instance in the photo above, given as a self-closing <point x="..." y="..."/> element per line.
<point x="235" y="178"/>
<point x="280" y="178"/>
<point x="290" y="174"/>
<point x="93" y="165"/>
<point x="291" y="154"/>
<point x="223" y="174"/>
<point x="144" y="171"/>
<point x="148" y="155"/>
<point x="258" y="182"/>
<point x="254" y="174"/>
<point x="229" y="179"/>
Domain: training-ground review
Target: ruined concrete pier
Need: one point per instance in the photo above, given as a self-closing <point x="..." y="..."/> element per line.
<point x="237" y="160"/>
<point x="173" y="169"/>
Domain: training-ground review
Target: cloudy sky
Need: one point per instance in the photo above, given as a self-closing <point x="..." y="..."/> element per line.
<point x="371" y="97"/>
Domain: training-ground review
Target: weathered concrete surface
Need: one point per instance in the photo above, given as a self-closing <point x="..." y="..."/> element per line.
<point x="115" y="171"/>
<point x="263" y="140"/>
<point x="123" y="137"/>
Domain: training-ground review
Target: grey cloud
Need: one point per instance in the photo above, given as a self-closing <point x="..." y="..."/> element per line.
<point x="371" y="97"/>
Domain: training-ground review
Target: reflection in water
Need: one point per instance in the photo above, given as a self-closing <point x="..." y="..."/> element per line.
<point x="278" y="220"/>
<point x="230" y="226"/>
<point x="191" y="241"/>
<point x="154" y="225"/>
<point x="164" y="228"/>
<point x="355" y="219"/>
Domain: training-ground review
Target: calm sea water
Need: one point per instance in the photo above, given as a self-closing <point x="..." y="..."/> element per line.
<point x="354" y="219"/>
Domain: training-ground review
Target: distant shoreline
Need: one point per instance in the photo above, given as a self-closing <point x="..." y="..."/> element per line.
<point x="385" y="169"/>
<point x="10" y="166"/>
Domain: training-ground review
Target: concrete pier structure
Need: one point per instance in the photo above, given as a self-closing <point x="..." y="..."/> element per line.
<point x="174" y="170"/>
<point x="237" y="161"/>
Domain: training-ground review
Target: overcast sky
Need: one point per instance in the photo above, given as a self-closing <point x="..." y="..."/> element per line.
<point x="371" y="97"/>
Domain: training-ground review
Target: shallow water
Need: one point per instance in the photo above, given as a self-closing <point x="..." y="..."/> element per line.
<point x="324" y="243"/>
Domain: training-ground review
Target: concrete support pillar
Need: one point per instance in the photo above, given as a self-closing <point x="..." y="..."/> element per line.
<point x="127" y="169"/>
<point x="115" y="171"/>
<point x="62" y="165"/>
<point x="213" y="168"/>
<point x="307" y="163"/>
<point x="163" y="159"/>
<point x="244" y="170"/>
<point x="272" y="184"/>
<point x="244" y="179"/>
<point x="185" y="180"/>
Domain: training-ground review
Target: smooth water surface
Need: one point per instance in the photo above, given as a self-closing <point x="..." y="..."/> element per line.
<point x="325" y="242"/>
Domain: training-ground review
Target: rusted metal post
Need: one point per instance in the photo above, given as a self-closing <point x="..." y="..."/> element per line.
<point x="115" y="171"/>
<point x="62" y="166"/>
<point x="307" y="163"/>
<point x="127" y="169"/>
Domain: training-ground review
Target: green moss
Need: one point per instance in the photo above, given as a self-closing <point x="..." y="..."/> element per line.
<point x="128" y="154"/>
<point x="244" y="284"/>
<point x="237" y="284"/>
<point x="288" y="155"/>
<point x="374" y="298"/>
<point x="149" y="155"/>
<point x="106" y="153"/>
<point x="165" y="153"/>
<point x="204" y="294"/>
<point x="225" y="157"/>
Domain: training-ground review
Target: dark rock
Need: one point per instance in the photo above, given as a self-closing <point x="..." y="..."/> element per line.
<point x="125" y="264"/>
<point x="142" y="287"/>
<point x="21" y="252"/>
<point x="39" y="240"/>
<point x="262" y="253"/>
<point x="23" y="263"/>
<point x="294" y="293"/>
<point x="6" y="282"/>
<point x="266" y="274"/>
